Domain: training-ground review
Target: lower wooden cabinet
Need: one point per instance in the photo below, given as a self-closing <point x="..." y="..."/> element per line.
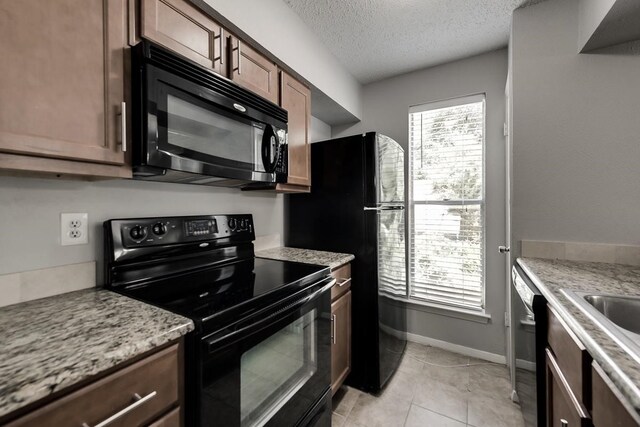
<point x="340" y="327"/>
<point x="563" y="407"/>
<point x="145" y="393"/>
<point x="609" y="407"/>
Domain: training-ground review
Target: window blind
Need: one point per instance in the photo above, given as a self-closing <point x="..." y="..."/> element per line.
<point x="446" y="144"/>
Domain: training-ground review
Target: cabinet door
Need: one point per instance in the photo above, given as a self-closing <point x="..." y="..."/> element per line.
<point x="610" y="408"/>
<point x="62" y="84"/>
<point x="185" y="30"/>
<point x="253" y="71"/>
<point x="563" y="408"/>
<point x="296" y="99"/>
<point x="341" y="340"/>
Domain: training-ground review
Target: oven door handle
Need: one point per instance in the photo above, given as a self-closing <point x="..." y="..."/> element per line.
<point x="214" y="342"/>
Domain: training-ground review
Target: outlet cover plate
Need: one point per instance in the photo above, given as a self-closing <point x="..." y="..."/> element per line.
<point x="74" y="229"/>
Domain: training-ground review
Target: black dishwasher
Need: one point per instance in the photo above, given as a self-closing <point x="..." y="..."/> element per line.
<point x="529" y="322"/>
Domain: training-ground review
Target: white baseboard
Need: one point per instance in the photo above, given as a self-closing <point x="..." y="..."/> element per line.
<point x="526" y="364"/>
<point x="460" y="349"/>
<point x="456" y="348"/>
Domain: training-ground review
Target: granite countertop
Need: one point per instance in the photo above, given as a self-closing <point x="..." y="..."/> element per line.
<point x="550" y="276"/>
<point x="55" y="342"/>
<point x="307" y="256"/>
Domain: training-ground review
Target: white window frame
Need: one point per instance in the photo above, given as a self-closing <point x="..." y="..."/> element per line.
<point x="433" y="306"/>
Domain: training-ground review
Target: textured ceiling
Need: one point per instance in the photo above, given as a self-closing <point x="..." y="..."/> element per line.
<point x="375" y="39"/>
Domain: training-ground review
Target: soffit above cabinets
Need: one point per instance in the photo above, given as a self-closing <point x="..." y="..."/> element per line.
<point x="375" y="39"/>
<point x="605" y="23"/>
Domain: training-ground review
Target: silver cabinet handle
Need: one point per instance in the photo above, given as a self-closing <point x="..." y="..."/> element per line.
<point x="564" y="423"/>
<point x="344" y="282"/>
<point x="221" y="46"/>
<point x="139" y="401"/>
<point x="334" y="320"/>
<point x="123" y="126"/>
<point x="239" y="56"/>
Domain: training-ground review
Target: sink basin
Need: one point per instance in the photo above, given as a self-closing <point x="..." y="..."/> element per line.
<point x="617" y="315"/>
<point x="623" y="311"/>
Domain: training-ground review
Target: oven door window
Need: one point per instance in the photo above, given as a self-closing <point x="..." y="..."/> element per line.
<point x="271" y="376"/>
<point x="272" y="372"/>
<point x="194" y="128"/>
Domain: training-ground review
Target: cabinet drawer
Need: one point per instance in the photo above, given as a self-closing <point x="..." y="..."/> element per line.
<point x="155" y="379"/>
<point x="609" y="406"/>
<point x="172" y="419"/>
<point x="564" y="409"/>
<point x="343" y="284"/>
<point x="573" y="359"/>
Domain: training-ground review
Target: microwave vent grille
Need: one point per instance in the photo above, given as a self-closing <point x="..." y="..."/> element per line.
<point x="184" y="68"/>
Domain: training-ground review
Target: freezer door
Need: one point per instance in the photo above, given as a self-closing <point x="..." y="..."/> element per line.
<point x="392" y="278"/>
<point x="390" y="170"/>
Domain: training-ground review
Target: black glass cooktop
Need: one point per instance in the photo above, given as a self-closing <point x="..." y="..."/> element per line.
<point x="243" y="285"/>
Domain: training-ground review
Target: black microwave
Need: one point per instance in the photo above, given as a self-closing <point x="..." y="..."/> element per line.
<point x="193" y="126"/>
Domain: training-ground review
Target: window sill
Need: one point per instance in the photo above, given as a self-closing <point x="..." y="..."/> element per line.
<point x="443" y="310"/>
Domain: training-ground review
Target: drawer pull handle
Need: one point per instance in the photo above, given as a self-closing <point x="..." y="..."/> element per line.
<point x="139" y="401"/>
<point x="334" y="320"/>
<point x="344" y="282"/>
<point x="564" y="423"/>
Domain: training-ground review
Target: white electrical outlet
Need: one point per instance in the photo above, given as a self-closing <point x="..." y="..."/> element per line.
<point x="74" y="229"/>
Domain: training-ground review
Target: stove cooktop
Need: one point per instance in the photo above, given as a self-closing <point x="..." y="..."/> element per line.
<point x="242" y="286"/>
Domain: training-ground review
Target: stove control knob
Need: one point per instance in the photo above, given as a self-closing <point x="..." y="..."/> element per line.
<point x="159" y="229"/>
<point x="138" y="233"/>
<point x="232" y="223"/>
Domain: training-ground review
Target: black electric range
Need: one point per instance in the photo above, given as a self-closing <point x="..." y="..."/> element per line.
<point x="260" y="353"/>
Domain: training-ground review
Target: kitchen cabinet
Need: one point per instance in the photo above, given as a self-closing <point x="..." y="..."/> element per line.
<point x="147" y="392"/>
<point x="63" y="87"/>
<point x="252" y="70"/>
<point x="563" y="407"/>
<point x="340" y="327"/>
<point x="609" y="407"/>
<point x="296" y="99"/>
<point x="184" y="29"/>
<point x="568" y="376"/>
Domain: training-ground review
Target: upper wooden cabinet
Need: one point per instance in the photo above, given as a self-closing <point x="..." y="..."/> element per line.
<point x="252" y="70"/>
<point x="179" y="26"/>
<point x="296" y="99"/>
<point x="62" y="86"/>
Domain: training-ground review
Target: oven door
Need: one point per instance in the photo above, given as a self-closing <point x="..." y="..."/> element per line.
<point x="191" y="128"/>
<point x="272" y="369"/>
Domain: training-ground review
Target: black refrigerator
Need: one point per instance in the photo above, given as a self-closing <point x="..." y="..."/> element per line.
<point x="357" y="206"/>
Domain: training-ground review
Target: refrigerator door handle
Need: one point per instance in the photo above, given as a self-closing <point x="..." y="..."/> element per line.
<point x="384" y="208"/>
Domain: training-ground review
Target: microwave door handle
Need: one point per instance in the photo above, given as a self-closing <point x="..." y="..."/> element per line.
<point x="267" y="136"/>
<point x="214" y="342"/>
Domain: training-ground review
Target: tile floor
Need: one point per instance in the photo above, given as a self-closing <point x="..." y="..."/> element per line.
<point x="433" y="388"/>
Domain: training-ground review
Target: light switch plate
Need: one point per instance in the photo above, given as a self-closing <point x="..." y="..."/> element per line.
<point x="74" y="229"/>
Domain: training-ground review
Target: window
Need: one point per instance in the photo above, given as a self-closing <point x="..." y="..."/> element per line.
<point x="446" y="202"/>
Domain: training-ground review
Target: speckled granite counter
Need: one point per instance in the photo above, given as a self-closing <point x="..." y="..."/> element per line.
<point x="307" y="256"/>
<point x="52" y="343"/>
<point x="550" y="276"/>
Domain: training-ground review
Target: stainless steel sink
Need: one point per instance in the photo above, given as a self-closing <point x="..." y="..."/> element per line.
<point x="617" y="315"/>
<point x="623" y="311"/>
